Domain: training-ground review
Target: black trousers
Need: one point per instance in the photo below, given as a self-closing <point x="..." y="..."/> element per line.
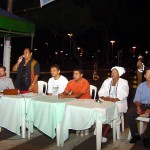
<point x="131" y="118"/>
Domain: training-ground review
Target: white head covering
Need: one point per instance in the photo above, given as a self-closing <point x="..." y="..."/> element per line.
<point x="120" y="70"/>
<point x="139" y="57"/>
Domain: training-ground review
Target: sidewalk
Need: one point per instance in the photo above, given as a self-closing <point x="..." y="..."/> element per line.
<point x="39" y="141"/>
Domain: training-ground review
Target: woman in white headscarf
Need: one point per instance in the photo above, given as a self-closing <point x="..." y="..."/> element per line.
<point x="114" y="89"/>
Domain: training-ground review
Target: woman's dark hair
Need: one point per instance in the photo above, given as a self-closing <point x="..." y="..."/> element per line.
<point x="29" y="49"/>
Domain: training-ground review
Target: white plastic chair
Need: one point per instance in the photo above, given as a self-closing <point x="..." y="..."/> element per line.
<point x="141" y="120"/>
<point x="41" y="86"/>
<point x="93" y="88"/>
<point x="118" y="123"/>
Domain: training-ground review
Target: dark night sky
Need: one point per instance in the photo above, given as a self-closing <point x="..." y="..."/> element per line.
<point x="132" y="27"/>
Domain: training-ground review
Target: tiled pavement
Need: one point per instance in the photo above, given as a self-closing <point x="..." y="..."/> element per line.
<point x="38" y="141"/>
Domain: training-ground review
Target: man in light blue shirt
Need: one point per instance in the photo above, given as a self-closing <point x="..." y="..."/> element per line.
<point x="142" y="106"/>
<point x="5" y="82"/>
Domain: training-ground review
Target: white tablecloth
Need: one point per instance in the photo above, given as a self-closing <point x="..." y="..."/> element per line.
<point x="13" y="109"/>
<point x="45" y="113"/>
<point x="81" y="114"/>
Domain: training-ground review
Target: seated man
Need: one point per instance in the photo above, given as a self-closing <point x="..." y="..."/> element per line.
<point x="57" y="83"/>
<point x="142" y="105"/>
<point x="115" y="89"/>
<point x="78" y="87"/>
<point x="5" y="82"/>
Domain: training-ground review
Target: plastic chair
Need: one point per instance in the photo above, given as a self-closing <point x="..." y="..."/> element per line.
<point x="42" y="86"/>
<point x="141" y="123"/>
<point x="93" y="88"/>
<point x="118" y="123"/>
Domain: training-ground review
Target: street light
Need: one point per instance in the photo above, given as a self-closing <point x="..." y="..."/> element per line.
<point x="70" y="36"/>
<point x="146" y="52"/>
<point x="46" y="44"/>
<point x="112" y="46"/>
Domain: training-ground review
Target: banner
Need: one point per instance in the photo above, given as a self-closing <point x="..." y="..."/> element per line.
<point x="44" y="2"/>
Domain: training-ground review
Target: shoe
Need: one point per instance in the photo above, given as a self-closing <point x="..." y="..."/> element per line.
<point x="135" y="138"/>
<point x="104" y="140"/>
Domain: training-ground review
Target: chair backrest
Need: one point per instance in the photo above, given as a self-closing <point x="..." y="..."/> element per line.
<point x="42" y="87"/>
<point x="93" y="88"/>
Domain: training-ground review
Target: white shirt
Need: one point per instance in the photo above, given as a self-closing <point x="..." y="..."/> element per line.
<point x="58" y="86"/>
<point x="122" y="92"/>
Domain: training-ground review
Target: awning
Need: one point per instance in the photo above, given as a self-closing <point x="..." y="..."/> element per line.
<point x="13" y="25"/>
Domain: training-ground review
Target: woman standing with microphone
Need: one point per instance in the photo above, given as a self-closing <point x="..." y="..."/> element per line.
<point x="28" y="71"/>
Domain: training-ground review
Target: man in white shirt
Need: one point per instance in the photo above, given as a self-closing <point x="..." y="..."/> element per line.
<point x="5" y="82"/>
<point x="57" y="83"/>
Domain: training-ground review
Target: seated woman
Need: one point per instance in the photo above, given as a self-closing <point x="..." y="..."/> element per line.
<point x="115" y="89"/>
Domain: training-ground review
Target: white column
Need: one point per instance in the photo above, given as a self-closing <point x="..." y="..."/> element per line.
<point x="7" y="54"/>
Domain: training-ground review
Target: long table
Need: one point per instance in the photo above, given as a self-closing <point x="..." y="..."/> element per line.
<point x="82" y="114"/>
<point x="54" y="116"/>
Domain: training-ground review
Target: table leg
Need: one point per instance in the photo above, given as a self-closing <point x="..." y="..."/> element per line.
<point x="58" y="129"/>
<point x="29" y="132"/>
<point x="98" y="134"/>
<point x="141" y="127"/>
<point x="23" y="128"/>
<point x="114" y="130"/>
